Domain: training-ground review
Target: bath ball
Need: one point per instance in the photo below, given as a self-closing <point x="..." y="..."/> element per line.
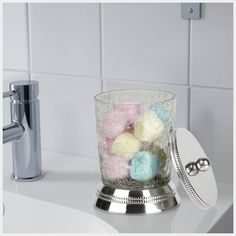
<point x="160" y="111"/>
<point x="128" y="108"/>
<point x="131" y="111"/>
<point x="113" y="124"/>
<point x="160" y="154"/>
<point x="144" y="166"/>
<point x="125" y="145"/>
<point x="148" y="127"/>
<point x="116" y="167"/>
<point x="106" y="145"/>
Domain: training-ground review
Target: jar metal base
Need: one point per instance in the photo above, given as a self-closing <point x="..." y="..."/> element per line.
<point x="145" y="201"/>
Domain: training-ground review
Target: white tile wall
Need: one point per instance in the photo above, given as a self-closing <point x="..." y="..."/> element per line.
<point x="212" y="46"/>
<point x="15" y="44"/>
<point x="142" y="46"/>
<point x="180" y="91"/>
<point x="143" y="41"/>
<point x="65" y="38"/>
<point x="212" y="122"/>
<point x="67" y="114"/>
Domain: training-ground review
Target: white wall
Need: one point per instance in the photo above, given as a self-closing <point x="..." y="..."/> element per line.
<point x="77" y="50"/>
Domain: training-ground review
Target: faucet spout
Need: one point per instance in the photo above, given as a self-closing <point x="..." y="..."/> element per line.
<point x="12" y="132"/>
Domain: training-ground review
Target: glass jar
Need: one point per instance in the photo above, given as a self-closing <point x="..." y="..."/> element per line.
<point x="133" y="129"/>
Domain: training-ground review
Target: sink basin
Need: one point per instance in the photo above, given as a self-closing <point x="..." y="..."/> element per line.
<point x="27" y="215"/>
<point x="62" y="202"/>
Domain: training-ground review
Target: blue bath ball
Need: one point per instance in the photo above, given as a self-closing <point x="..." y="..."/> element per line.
<point x="160" y="111"/>
<point x="144" y="166"/>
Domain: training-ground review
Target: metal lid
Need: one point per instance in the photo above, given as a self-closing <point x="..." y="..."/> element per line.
<point x="193" y="168"/>
<point x="24" y="90"/>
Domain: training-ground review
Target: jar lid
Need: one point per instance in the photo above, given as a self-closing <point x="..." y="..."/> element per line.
<point x="193" y="168"/>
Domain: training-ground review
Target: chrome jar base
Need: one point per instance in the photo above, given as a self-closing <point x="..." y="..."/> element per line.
<point x="145" y="201"/>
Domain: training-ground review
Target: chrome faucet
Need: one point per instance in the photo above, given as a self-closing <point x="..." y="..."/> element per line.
<point x="24" y="130"/>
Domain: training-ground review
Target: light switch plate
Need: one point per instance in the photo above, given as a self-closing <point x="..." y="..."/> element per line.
<point x="191" y="11"/>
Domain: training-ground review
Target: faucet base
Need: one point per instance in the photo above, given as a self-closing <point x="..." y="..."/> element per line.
<point x="30" y="179"/>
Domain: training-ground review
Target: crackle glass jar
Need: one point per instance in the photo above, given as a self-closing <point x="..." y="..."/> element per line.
<point x="133" y="129"/>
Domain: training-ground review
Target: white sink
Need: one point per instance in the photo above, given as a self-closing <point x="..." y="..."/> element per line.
<point x="27" y="215"/>
<point x="62" y="202"/>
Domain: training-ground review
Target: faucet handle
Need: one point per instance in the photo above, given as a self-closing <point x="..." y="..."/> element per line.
<point x="8" y="94"/>
<point x="23" y="90"/>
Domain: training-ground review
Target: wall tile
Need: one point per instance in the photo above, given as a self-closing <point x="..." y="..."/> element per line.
<point x="67" y="114"/>
<point x="212" y="46"/>
<point x="180" y="91"/>
<point x="15" y="49"/>
<point x="212" y="123"/>
<point x="8" y="77"/>
<point x="65" y="38"/>
<point x="145" y="42"/>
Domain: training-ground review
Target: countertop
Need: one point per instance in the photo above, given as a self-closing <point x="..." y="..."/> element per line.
<point x="71" y="181"/>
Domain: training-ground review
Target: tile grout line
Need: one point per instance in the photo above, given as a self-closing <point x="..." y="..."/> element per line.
<point x="101" y="47"/>
<point x="117" y="80"/>
<point x="28" y="40"/>
<point x="189" y="72"/>
<point x="15" y="70"/>
<point x="53" y="74"/>
<point x="140" y="82"/>
<point x="189" y="50"/>
<point x="67" y="153"/>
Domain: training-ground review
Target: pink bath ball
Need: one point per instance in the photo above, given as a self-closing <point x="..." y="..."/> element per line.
<point x="131" y="117"/>
<point x="131" y="111"/>
<point x="127" y="107"/>
<point x="106" y="144"/>
<point x="113" y="124"/>
<point x="116" y="167"/>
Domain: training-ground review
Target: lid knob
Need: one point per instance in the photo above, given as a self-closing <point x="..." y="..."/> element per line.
<point x="203" y="164"/>
<point x="193" y="168"/>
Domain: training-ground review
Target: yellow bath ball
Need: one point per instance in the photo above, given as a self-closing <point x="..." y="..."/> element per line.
<point x="148" y="127"/>
<point x="126" y="145"/>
